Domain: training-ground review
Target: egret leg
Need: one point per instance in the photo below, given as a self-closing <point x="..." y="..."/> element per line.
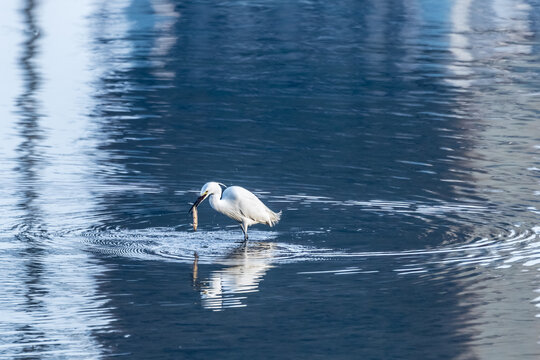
<point x="244" y="230"/>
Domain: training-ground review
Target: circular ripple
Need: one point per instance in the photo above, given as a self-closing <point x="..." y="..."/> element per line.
<point x="223" y="247"/>
<point x="211" y="246"/>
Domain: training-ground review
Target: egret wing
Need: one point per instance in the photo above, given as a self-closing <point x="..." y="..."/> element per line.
<point x="245" y="204"/>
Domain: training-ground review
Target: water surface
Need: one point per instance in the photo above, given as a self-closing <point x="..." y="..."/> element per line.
<point x="399" y="138"/>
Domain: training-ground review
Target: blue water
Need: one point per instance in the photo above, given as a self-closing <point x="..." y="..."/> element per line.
<point x="400" y="139"/>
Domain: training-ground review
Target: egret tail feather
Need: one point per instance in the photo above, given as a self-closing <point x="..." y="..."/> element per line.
<point x="274" y="218"/>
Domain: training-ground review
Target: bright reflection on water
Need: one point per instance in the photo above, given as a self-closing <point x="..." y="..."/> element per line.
<point x="400" y="139"/>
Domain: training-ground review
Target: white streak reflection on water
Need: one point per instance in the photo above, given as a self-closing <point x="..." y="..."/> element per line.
<point x="50" y="305"/>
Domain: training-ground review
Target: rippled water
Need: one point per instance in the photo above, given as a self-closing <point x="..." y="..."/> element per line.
<point x="400" y="139"/>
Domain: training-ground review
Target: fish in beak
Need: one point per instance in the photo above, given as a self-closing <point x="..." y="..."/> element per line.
<point x="199" y="200"/>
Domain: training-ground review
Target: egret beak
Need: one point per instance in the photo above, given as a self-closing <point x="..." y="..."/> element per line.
<point x="199" y="200"/>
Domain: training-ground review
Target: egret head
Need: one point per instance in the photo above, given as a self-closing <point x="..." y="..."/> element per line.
<point x="208" y="189"/>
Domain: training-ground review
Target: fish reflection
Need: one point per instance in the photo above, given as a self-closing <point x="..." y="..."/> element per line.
<point x="244" y="270"/>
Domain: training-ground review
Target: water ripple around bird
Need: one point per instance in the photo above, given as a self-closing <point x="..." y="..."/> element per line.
<point x="222" y="247"/>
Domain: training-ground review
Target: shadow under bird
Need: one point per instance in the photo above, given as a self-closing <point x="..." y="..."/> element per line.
<point x="237" y="203"/>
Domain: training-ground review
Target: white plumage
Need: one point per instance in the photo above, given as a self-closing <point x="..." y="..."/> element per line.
<point x="238" y="204"/>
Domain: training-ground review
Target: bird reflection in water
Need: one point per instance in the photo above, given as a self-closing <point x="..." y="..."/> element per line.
<point x="244" y="269"/>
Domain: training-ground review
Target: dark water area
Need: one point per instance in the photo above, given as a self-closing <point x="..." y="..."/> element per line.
<point x="400" y="139"/>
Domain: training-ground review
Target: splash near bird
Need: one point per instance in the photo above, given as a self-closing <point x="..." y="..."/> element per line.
<point x="237" y="203"/>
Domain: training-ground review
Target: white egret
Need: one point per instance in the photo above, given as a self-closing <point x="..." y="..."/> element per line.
<point x="239" y="204"/>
